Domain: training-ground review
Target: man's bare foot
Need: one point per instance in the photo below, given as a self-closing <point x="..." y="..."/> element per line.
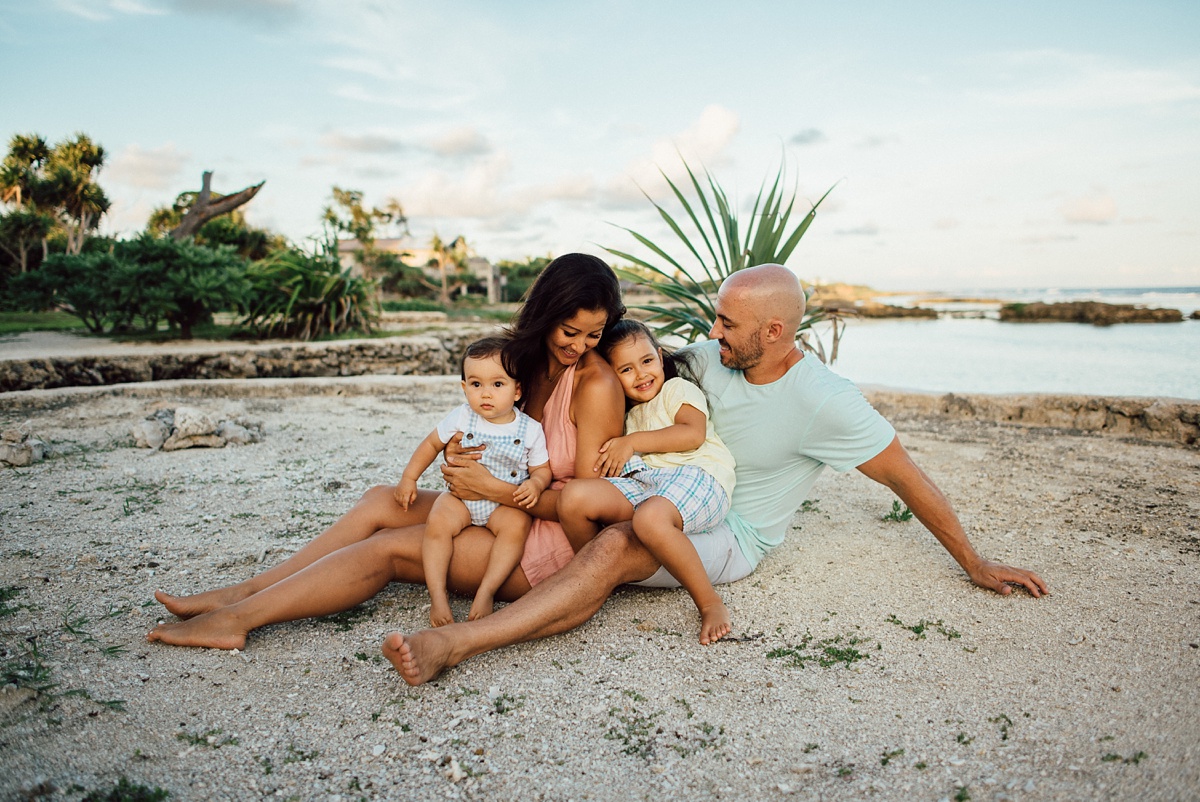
<point x="482" y="607"/>
<point x="440" y="614"/>
<point x="200" y="603"/>
<point x="419" y="657"/>
<point x="214" y="630"/>
<point x="714" y="623"/>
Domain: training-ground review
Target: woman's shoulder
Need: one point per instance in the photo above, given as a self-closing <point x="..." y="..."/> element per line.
<point x="594" y="376"/>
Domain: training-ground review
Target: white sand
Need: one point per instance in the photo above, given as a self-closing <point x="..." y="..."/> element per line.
<point x="1091" y="693"/>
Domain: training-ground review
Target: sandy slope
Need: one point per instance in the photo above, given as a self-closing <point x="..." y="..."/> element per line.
<point x="1090" y="693"/>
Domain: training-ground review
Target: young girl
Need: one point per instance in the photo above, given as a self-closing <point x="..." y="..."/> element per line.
<point x="687" y="485"/>
<point x="515" y="453"/>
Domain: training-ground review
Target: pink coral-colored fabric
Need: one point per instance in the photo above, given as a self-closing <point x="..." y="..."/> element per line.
<point x="547" y="548"/>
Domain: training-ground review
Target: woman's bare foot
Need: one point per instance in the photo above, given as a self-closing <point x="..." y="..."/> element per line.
<point x="714" y="622"/>
<point x="419" y="657"/>
<point x="200" y="603"/>
<point x="482" y="607"/>
<point x="215" y="630"/>
<point x="440" y="614"/>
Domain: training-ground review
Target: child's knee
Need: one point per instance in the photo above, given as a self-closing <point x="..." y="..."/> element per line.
<point x="657" y="512"/>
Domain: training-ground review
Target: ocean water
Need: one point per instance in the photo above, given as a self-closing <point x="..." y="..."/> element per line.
<point x="980" y="354"/>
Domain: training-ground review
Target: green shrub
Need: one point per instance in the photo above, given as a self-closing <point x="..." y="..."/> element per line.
<point x="413" y="305"/>
<point x="297" y="294"/>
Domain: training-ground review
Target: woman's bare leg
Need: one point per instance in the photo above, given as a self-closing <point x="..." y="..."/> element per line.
<point x="375" y="510"/>
<point x="336" y="582"/>
<point x="561" y="602"/>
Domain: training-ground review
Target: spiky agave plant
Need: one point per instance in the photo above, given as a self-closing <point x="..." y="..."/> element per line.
<point x="721" y="249"/>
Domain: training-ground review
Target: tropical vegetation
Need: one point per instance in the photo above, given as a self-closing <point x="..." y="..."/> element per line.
<point x="717" y="247"/>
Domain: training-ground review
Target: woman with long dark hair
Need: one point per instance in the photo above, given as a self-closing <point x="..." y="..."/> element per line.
<point x="565" y="385"/>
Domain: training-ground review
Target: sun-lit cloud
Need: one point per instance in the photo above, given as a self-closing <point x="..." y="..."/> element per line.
<point x="153" y="168"/>
<point x="702" y="144"/>
<point x="1097" y="208"/>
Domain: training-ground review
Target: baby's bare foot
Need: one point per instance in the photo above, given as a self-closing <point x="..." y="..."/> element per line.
<point x="215" y="630"/>
<point x="419" y="657"/>
<point x="714" y="622"/>
<point x="440" y="614"/>
<point x="481" y="607"/>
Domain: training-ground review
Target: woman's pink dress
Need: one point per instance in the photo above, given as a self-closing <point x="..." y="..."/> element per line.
<point x="547" y="548"/>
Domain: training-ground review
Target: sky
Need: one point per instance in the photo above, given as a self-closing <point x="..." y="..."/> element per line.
<point x="968" y="145"/>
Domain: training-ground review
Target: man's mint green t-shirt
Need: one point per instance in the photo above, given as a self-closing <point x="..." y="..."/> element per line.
<point x="782" y="435"/>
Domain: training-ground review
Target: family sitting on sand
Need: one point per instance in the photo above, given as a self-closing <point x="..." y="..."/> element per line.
<point x="754" y="401"/>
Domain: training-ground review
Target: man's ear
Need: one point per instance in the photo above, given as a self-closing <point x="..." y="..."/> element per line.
<point x="775" y="330"/>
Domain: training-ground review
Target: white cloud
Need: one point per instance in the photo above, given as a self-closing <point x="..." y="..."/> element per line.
<point x="155" y="168"/>
<point x="865" y="230"/>
<point x="88" y="11"/>
<point x="703" y="144"/>
<point x="809" y="136"/>
<point x="361" y="143"/>
<point x="1096" y="207"/>
<point x="274" y="12"/>
<point x="462" y="141"/>
<point x="1053" y="78"/>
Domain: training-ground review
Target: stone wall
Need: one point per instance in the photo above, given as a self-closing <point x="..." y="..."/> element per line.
<point x="430" y="354"/>
<point x="1163" y="419"/>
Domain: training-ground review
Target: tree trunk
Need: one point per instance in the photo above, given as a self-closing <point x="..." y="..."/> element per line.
<point x="205" y="209"/>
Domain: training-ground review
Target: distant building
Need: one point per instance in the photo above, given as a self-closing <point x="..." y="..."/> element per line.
<point x="426" y="259"/>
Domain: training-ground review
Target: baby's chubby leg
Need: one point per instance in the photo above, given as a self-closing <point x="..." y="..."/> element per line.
<point x="586" y="506"/>
<point x="659" y="527"/>
<point x="447" y="518"/>
<point x="511" y="528"/>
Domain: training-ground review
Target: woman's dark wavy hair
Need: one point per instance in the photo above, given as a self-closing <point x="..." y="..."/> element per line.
<point x="675" y="364"/>
<point x="572" y="282"/>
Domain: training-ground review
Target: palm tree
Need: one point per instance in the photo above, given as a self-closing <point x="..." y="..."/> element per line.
<point x="450" y="256"/>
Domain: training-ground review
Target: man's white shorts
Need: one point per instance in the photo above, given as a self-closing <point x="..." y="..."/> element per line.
<point x="722" y="557"/>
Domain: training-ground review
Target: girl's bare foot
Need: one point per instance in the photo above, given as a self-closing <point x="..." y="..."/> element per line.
<point x="481" y="607"/>
<point x="440" y="614"/>
<point x="215" y="630"/>
<point x="714" y="622"/>
<point x="200" y="603"/>
<point x="419" y="657"/>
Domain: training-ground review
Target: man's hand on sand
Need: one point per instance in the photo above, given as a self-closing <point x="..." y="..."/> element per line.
<point x="1000" y="578"/>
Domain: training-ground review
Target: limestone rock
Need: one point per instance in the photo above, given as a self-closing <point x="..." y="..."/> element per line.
<point x="150" y="433"/>
<point x="192" y="422"/>
<point x="175" y="442"/>
<point x="20" y="448"/>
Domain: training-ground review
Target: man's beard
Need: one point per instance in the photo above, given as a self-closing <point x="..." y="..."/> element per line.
<point x="745" y="357"/>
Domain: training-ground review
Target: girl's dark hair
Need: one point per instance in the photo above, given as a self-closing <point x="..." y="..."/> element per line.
<point x="570" y="283"/>
<point x="675" y="364"/>
<point x="482" y="349"/>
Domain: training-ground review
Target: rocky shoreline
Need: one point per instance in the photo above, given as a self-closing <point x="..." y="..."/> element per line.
<point x="1094" y="312"/>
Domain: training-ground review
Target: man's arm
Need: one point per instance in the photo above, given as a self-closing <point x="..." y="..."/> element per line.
<point x="894" y="468"/>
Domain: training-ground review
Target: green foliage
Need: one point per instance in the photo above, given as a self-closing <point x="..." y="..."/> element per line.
<point x="519" y="276"/>
<point x="126" y="791"/>
<point x="826" y="653"/>
<point x="302" y="295"/>
<point x="413" y="305"/>
<point x="897" y="514"/>
<point x="398" y="278"/>
<point x="138" y="282"/>
<point x="720" y="248"/>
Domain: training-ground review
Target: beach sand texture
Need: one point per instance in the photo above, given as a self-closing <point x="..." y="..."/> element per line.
<point x="864" y="665"/>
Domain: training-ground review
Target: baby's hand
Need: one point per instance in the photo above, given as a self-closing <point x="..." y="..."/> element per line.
<point x="527" y="493"/>
<point x="613" y="456"/>
<point x="405" y="493"/>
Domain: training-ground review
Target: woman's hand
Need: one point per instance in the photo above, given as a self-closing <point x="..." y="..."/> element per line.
<point x="613" y="456"/>
<point x="465" y="478"/>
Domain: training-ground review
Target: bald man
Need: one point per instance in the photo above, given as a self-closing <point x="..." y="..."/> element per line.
<point x="785" y="417"/>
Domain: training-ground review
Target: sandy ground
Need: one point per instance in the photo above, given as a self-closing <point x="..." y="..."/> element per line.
<point x="864" y="664"/>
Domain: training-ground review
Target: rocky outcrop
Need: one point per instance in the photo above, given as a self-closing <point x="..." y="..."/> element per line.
<point x="871" y="309"/>
<point x="413" y="355"/>
<point x="1094" y="312"/>
<point x="173" y="429"/>
<point x="20" y="447"/>
<point x="1161" y="419"/>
